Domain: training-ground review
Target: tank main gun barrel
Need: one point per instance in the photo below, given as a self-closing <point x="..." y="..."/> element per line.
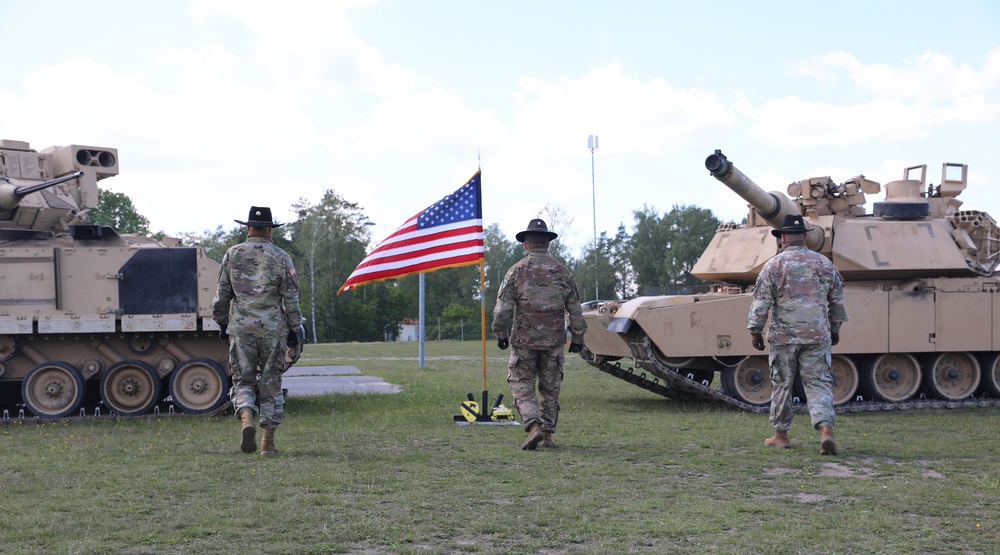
<point x="772" y="206"/>
<point x="11" y="195"/>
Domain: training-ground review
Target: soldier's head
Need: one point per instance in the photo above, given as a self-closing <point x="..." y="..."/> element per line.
<point x="259" y="223"/>
<point x="793" y="230"/>
<point x="536" y="235"/>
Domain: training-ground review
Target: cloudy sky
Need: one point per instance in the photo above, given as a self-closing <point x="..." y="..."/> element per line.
<point x="216" y="105"/>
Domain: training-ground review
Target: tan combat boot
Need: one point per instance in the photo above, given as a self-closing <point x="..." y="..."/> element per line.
<point x="826" y="444"/>
<point x="780" y="439"/>
<point x="535" y="436"/>
<point x="267" y="447"/>
<point x="248" y="432"/>
<point x="547" y="440"/>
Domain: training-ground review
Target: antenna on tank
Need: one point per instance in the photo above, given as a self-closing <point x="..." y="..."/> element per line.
<point x="592" y="145"/>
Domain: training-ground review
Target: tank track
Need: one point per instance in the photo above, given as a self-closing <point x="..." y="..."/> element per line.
<point x="681" y="386"/>
<point x="24" y="416"/>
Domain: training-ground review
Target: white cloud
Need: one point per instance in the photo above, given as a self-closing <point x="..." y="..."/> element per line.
<point x="908" y="102"/>
<point x="644" y="117"/>
<point x="315" y="43"/>
<point x="428" y="124"/>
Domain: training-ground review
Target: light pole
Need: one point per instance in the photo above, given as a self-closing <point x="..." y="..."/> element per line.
<point x="592" y="145"/>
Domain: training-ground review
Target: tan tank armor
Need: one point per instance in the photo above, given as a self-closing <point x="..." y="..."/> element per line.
<point x="920" y="291"/>
<point x="84" y="309"/>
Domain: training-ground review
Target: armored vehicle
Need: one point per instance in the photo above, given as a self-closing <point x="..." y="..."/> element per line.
<point x="920" y="291"/>
<point x="91" y="317"/>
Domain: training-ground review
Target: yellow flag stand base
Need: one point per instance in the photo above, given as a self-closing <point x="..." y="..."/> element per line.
<point x="475" y="413"/>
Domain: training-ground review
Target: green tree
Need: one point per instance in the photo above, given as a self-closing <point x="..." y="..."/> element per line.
<point x="117" y="211"/>
<point x="215" y="243"/>
<point x="373" y="312"/>
<point x="620" y="256"/>
<point x="612" y="262"/>
<point x="330" y="240"/>
<point x="442" y="288"/>
<point x="665" y="248"/>
<point x="558" y="222"/>
<point x="501" y="253"/>
<point x="457" y="321"/>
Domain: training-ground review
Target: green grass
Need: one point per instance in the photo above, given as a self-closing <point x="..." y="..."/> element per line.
<point x="634" y="473"/>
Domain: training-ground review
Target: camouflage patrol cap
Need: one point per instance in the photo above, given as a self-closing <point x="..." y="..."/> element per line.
<point x="536" y="226"/>
<point x="260" y="216"/>
<point x="792" y="225"/>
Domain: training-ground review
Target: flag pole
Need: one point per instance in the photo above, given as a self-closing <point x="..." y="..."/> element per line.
<point x="482" y="326"/>
<point x="482" y="311"/>
<point x="420" y="320"/>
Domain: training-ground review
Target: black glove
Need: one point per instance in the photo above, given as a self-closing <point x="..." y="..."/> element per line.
<point x="503" y="343"/>
<point x="575" y="347"/>
<point x="223" y="336"/>
<point x="293" y="340"/>
<point x="757" y="340"/>
<point x="834" y="338"/>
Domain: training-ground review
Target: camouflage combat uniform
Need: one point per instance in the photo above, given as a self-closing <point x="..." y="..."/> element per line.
<point x="258" y="298"/>
<point x="805" y="295"/>
<point x="535" y="295"/>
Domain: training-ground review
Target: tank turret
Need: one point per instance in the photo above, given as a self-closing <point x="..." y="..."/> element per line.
<point x="83" y="307"/>
<point x="11" y="195"/>
<point x="920" y="289"/>
<point x="50" y="190"/>
<point x="917" y="231"/>
<point x="772" y="206"/>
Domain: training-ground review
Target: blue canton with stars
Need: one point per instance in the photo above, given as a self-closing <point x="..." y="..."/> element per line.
<point x="462" y="205"/>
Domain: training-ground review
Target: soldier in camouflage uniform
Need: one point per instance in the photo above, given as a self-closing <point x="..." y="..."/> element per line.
<point x="257" y="309"/>
<point x="804" y="294"/>
<point x="534" y="296"/>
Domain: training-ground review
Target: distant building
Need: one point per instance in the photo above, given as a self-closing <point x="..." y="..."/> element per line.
<point x="409" y="331"/>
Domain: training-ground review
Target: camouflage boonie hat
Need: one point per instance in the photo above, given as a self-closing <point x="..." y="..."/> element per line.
<point x="260" y="216"/>
<point x="793" y="225"/>
<point x="536" y="226"/>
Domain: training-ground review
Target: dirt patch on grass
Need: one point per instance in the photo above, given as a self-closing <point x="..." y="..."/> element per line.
<point x="797" y="497"/>
<point x="778" y="471"/>
<point x="841" y="470"/>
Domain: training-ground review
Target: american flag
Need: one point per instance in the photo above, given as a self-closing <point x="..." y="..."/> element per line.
<point x="447" y="234"/>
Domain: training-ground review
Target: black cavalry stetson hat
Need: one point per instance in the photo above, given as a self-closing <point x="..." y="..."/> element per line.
<point x="260" y="216"/>
<point x="792" y="225"/>
<point x="536" y="226"/>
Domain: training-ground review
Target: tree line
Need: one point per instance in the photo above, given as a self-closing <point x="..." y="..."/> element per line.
<point x="330" y="238"/>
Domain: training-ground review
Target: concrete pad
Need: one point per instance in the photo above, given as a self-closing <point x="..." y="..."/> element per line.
<point x="321" y="371"/>
<point x="321" y="380"/>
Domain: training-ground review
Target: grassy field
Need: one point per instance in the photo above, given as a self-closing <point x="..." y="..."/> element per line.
<point x="633" y="473"/>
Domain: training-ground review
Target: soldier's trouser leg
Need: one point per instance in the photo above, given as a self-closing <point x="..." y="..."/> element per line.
<point x="243" y="358"/>
<point x="526" y="366"/>
<point x="550" y="376"/>
<point x="247" y="357"/>
<point x="783" y="361"/>
<point x="814" y="370"/>
<point x="521" y="377"/>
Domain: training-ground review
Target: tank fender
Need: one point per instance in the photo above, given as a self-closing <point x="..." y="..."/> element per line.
<point x="620" y="325"/>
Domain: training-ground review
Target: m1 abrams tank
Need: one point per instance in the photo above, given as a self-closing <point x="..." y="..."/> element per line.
<point x="84" y="309"/>
<point x="920" y="291"/>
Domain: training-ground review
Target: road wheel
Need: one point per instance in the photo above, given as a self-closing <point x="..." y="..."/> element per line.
<point x="749" y="381"/>
<point x="951" y="376"/>
<point x="198" y="386"/>
<point x="991" y="375"/>
<point x="130" y="387"/>
<point x="53" y="390"/>
<point x="892" y="377"/>
<point x="845" y="379"/>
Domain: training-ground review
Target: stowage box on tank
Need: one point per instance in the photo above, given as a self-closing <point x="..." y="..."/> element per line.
<point x="920" y="291"/>
<point x="84" y="309"/>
